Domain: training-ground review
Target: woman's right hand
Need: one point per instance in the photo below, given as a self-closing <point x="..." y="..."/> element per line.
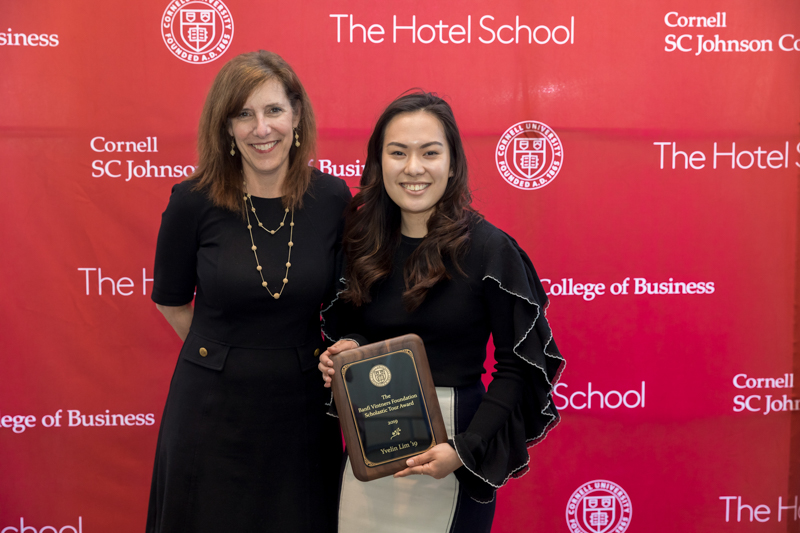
<point x="326" y="363"/>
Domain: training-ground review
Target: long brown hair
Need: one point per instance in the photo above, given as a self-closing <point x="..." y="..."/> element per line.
<point x="218" y="173"/>
<point x="372" y="228"/>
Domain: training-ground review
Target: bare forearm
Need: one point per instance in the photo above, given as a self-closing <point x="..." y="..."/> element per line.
<point x="179" y="317"/>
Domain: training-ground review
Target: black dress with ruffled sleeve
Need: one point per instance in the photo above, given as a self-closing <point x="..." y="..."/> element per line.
<point x="499" y="295"/>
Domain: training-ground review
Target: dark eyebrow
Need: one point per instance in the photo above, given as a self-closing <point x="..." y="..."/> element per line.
<point x="423" y="146"/>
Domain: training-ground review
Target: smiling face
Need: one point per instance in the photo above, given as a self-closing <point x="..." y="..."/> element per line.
<point x="263" y="133"/>
<point x="416" y="168"/>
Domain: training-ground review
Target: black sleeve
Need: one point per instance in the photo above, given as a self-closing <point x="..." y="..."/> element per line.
<point x="344" y="196"/>
<point x="505" y="389"/>
<point x="340" y="319"/>
<point x="517" y="410"/>
<point x="175" y="271"/>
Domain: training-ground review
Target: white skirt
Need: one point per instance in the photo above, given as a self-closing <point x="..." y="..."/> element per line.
<point x="411" y="504"/>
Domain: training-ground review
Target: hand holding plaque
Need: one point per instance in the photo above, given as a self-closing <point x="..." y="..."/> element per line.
<point x="387" y="405"/>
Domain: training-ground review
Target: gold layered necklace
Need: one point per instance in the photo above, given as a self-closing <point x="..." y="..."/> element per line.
<point x="247" y="197"/>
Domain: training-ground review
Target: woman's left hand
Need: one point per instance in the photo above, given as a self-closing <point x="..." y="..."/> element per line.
<point x="437" y="462"/>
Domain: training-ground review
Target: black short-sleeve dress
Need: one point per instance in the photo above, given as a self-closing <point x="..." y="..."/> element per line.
<point x="244" y="443"/>
<point x="498" y="294"/>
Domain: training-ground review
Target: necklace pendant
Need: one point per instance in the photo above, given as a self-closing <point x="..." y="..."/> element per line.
<point x="276" y="295"/>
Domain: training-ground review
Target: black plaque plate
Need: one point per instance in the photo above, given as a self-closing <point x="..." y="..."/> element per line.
<point x="387" y="405"/>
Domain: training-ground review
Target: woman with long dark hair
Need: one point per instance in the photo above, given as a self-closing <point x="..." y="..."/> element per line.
<point x="245" y="444"/>
<point x="420" y="260"/>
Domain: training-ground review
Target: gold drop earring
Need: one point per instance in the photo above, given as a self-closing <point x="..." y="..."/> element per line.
<point x="233" y="147"/>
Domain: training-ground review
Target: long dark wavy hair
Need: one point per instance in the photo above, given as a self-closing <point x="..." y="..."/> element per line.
<point x="372" y="227"/>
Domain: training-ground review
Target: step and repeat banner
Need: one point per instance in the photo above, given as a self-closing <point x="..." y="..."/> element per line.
<point x="645" y="154"/>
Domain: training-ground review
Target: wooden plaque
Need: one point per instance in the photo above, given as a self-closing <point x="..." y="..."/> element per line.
<point x="387" y="405"/>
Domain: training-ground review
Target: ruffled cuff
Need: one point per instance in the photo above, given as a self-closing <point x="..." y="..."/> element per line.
<point x="490" y="463"/>
<point x="328" y="315"/>
<point x="334" y="319"/>
<point x="361" y="341"/>
<point x="332" y="407"/>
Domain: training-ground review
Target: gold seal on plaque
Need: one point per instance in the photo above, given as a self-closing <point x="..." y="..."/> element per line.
<point x="380" y="375"/>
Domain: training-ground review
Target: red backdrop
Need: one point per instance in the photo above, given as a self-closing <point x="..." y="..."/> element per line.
<point x="676" y="166"/>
